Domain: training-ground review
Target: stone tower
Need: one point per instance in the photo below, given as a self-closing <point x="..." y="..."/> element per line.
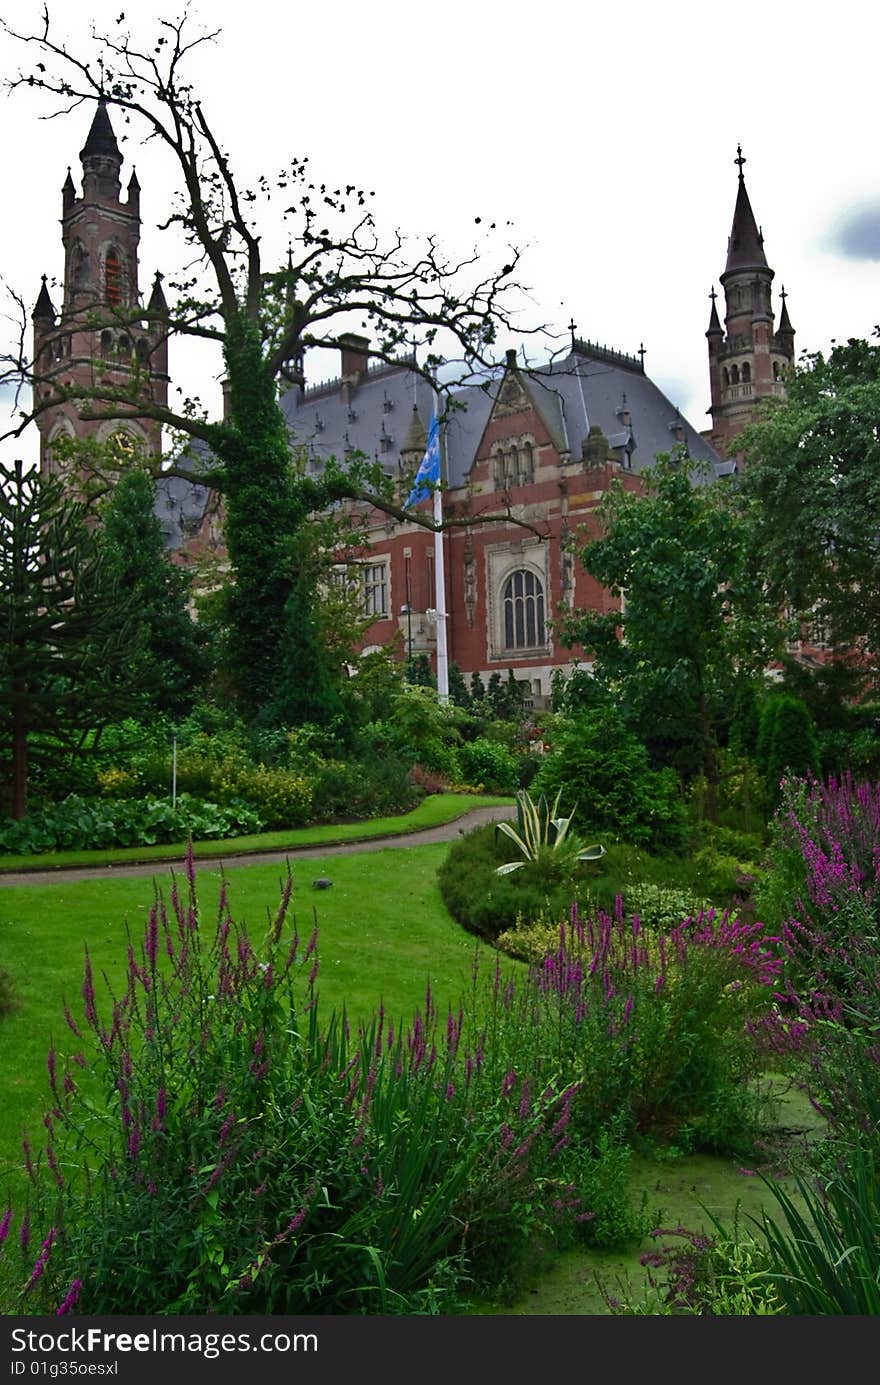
<point x="98" y="336"/>
<point x="748" y="360"/>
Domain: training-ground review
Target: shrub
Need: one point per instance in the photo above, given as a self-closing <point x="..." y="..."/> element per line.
<point x="486" y="762"/>
<point x="370" y="786"/>
<point x="653" y="1027"/>
<point x="723" y="1275"/>
<point x="598" y="764"/>
<point x="80" y="824"/>
<point x="787" y="744"/>
<point x="822" y="882"/>
<point x="488" y="904"/>
<point x="281" y="797"/>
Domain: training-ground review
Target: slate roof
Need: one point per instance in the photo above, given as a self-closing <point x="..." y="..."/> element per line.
<point x="745" y="246"/>
<point x="101" y="139"/>
<point x="590" y="386"/>
<point x="179" y="505"/>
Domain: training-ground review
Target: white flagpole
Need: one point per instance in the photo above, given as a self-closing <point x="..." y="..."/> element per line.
<point x="440" y="582"/>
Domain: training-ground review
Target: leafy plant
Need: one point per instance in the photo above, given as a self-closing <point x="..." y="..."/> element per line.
<point x="542" y="837"/>
<point x="826" y="1259"/>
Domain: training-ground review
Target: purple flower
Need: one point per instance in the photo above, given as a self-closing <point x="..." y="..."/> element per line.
<point x="71" y="1022"/>
<point x="70" y="1299"/>
<point x="5" y="1224"/>
<point x="88" y="992"/>
<point x="41" y="1260"/>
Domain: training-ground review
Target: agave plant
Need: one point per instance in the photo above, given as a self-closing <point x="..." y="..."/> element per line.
<point x="542" y="836"/>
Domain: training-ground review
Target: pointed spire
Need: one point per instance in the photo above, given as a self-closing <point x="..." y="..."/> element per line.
<point x="416" y="439"/>
<point x="68" y="189"/>
<point x="745" y="247"/>
<point x="714" y="329"/>
<point x="101" y="141"/>
<point x="785" y="328"/>
<point x="44" y="310"/>
<point x="133" y="184"/>
<point x="157" y="303"/>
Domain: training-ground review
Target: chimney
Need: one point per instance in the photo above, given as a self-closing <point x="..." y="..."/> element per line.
<point x="355" y="356"/>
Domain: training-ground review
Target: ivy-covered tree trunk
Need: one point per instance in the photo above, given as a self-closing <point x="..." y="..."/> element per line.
<point x="277" y="659"/>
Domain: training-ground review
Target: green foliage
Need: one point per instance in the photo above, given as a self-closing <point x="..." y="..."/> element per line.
<point x="728" y="1274"/>
<point x="487" y="904"/>
<point x="786" y="744"/>
<point x="825" y="1260"/>
<point x="598" y="763"/>
<point x="542" y="838"/>
<point x="66" y="663"/>
<point x="82" y="824"/>
<point x="477" y="689"/>
<point x="421" y="730"/>
<point x="458" y="688"/>
<point x="696" y="619"/>
<point x="170" y="654"/>
<point x="485" y="762"/>
<point x="811" y="494"/>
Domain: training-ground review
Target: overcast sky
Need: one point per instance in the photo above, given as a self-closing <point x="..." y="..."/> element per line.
<point x="605" y="133"/>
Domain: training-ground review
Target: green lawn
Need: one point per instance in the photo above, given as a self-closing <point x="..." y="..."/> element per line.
<point x="431" y="812"/>
<point x="383" y="932"/>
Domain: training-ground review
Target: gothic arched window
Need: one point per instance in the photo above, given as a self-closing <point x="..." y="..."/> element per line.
<point x="106" y="344"/>
<point x="725" y="374"/>
<point x="113" y="278"/>
<point x="522" y="601"/>
<point x="747" y="374"/>
<point x="78" y="268"/>
<point x="734" y="375"/>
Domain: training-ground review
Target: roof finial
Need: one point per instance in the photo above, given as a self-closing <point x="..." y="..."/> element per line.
<point x="572" y="327"/>
<point x="713" y="295"/>
<point x="642" y="354"/>
<point x="740" y="160"/>
<point x="782" y="294"/>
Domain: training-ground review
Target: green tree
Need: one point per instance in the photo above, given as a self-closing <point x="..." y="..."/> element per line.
<point x="811" y="492"/>
<point x="787" y="742"/>
<point x="340" y="275"/>
<point x="458" y="689"/>
<point x="601" y="768"/>
<point x="695" y="621"/>
<point x="65" y="648"/>
<point x="172" y="659"/>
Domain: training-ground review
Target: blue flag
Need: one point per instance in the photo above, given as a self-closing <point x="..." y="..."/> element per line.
<point x="428" y="473"/>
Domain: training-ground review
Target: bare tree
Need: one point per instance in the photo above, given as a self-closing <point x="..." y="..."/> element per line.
<point x="340" y="273"/>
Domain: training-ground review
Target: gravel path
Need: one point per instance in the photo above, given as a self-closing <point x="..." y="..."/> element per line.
<point x="446" y="832"/>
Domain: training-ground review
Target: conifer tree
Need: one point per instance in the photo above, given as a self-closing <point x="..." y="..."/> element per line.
<point x="172" y="661"/>
<point x="65" y="648"/>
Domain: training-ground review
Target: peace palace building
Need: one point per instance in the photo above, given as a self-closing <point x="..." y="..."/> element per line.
<point x="542" y="445"/>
